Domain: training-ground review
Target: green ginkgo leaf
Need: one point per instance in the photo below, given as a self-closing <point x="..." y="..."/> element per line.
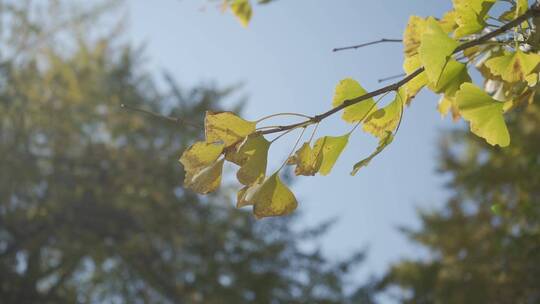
<point x="251" y="156"/>
<point x="385" y="119"/>
<point x="308" y="160"/>
<point x="384" y="141"/>
<point x="242" y="10"/>
<point x="348" y="89"/>
<point x="453" y="76"/>
<point x="435" y="49"/>
<point x="513" y="67"/>
<point x="413" y="34"/>
<point x="272" y="198"/>
<point x="331" y="148"/>
<point x="227" y="128"/>
<point x="484" y="113"/>
<point x="471" y="16"/>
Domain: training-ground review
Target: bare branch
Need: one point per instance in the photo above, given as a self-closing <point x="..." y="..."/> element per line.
<point x="354" y="47"/>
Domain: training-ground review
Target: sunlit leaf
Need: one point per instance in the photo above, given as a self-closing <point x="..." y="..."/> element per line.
<point x="413" y="34"/>
<point x="203" y="171"/>
<point x="331" y="148"/>
<point x="308" y="161"/>
<point x="226" y="127"/>
<point x="384" y="141"/>
<point x="252" y="157"/>
<point x="385" y="119"/>
<point x="513" y="67"/>
<point x="435" y="49"/>
<point x="348" y="89"/>
<point x="448" y="105"/>
<point x="453" y="76"/>
<point x="205" y="180"/>
<point x="471" y="16"/>
<point x="242" y="10"/>
<point x="410" y="65"/>
<point x="484" y="113"/>
<point x="273" y="198"/>
<point x="245" y="195"/>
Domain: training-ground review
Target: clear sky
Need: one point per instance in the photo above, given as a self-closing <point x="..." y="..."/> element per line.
<point x="285" y="61"/>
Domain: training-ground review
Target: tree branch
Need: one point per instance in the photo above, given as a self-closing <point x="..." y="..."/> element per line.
<point x="354" y="47"/>
<point x="533" y="11"/>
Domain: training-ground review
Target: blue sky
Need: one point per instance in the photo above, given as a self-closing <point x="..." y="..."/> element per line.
<point x="285" y="62"/>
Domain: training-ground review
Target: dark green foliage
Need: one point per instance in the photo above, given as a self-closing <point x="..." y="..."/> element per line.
<point x="91" y="204"/>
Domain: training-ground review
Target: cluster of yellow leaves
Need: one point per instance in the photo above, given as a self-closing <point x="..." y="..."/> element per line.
<point x="231" y="138"/>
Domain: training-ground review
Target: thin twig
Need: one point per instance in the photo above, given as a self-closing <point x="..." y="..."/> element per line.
<point x="354" y="47"/>
<point x="391" y="77"/>
<point x="177" y="120"/>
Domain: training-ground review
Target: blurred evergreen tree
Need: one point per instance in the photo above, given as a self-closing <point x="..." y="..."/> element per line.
<point x="485" y="243"/>
<point x="91" y="206"/>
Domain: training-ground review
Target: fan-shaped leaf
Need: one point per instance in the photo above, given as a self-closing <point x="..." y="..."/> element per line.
<point x="348" y="89"/>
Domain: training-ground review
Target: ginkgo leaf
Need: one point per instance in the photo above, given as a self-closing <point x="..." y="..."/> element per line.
<point x="245" y="195"/>
<point x="251" y="156"/>
<point x="413" y="34"/>
<point x="383" y="143"/>
<point x="453" y="76"/>
<point x="471" y="16"/>
<point x="200" y="155"/>
<point x="385" y="119"/>
<point x="203" y="171"/>
<point x="242" y="10"/>
<point x="308" y="160"/>
<point x="435" y="49"/>
<point x="205" y="180"/>
<point x="414" y="86"/>
<point x="513" y="67"/>
<point x="348" y="89"/>
<point x="448" y="21"/>
<point x="226" y="127"/>
<point x="273" y="198"/>
<point x="484" y="113"/>
<point x="331" y="148"/>
<point x="516" y="10"/>
<point x="448" y="105"/>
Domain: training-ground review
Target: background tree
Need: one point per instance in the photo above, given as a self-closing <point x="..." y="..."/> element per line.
<point x="484" y="243"/>
<point x="91" y="208"/>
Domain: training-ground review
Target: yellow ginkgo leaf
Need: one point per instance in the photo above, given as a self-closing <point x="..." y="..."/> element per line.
<point x="435" y="49"/>
<point x="242" y="10"/>
<point x="331" y="148"/>
<point x="226" y="128"/>
<point x="273" y="198"/>
<point x="514" y="67"/>
<point x="245" y="195"/>
<point x="448" y="105"/>
<point x="413" y="34"/>
<point x="484" y="113"/>
<point x="203" y="171"/>
<point x="205" y="180"/>
<point x="308" y="160"/>
<point x="252" y="157"/>
<point x="385" y="119"/>
<point x="200" y="155"/>
<point x="414" y="86"/>
<point x="348" y="89"/>
<point x="471" y="16"/>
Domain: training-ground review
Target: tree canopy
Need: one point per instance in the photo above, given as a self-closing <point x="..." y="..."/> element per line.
<point x="92" y="210"/>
